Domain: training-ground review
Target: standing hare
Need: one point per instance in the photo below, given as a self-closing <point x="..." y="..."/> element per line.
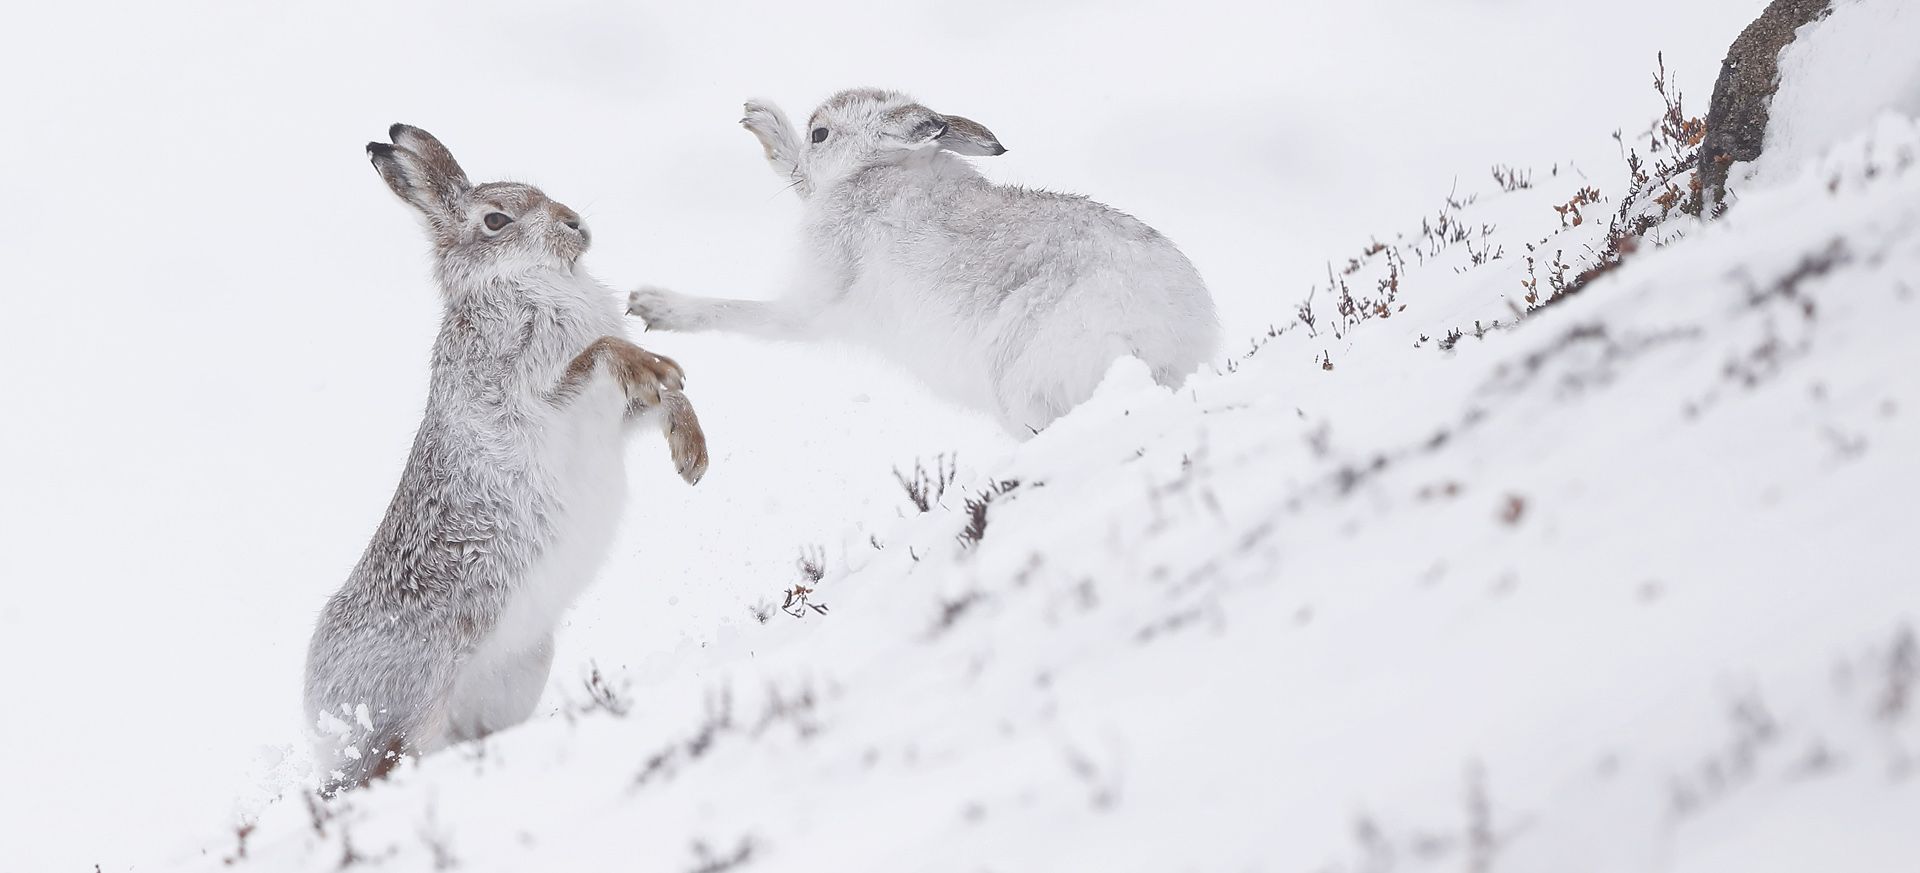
<point x="1006" y="299"/>
<point x="444" y="631"/>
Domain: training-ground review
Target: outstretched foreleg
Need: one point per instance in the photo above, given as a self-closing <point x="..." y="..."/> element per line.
<point x="671" y="310"/>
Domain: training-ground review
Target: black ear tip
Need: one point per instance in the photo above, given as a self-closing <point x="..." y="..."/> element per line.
<point x="999" y="150"/>
<point x="394" y="132"/>
<point x="379" y="150"/>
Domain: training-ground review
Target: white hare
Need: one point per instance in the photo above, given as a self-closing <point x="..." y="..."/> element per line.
<point x="444" y="630"/>
<point x="1009" y="300"/>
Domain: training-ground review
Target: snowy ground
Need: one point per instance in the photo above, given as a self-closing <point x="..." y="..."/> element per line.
<point x="1622" y="588"/>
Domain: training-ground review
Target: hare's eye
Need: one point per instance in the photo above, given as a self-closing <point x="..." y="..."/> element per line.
<point x="497" y="220"/>
<point x="819" y="134"/>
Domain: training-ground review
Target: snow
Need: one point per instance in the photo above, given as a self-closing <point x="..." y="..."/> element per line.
<point x="1622" y="586"/>
<point x="1838" y="74"/>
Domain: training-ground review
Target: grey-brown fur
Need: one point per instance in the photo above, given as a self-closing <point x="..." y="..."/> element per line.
<point x="443" y="630"/>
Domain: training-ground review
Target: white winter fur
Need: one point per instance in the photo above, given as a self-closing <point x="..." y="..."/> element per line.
<point x="513" y="489"/>
<point x="1009" y="300"/>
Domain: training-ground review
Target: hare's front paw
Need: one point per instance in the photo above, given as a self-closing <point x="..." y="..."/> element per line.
<point x="685" y="439"/>
<point x="647" y="376"/>
<point x="770" y="127"/>
<point x="658" y="306"/>
<point x="762" y="120"/>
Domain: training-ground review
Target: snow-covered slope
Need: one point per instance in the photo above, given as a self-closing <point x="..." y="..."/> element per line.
<point x="1622" y="585"/>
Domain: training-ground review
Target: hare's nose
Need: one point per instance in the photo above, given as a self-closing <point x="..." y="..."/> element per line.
<point x="572" y="220"/>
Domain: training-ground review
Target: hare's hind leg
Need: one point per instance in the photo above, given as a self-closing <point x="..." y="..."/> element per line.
<point x="1055" y="371"/>
<point x="356" y="757"/>
<point x="375" y="692"/>
<point x="498" y="689"/>
<point x="370" y="760"/>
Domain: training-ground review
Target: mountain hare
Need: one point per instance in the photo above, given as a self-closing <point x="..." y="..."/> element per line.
<point x="1010" y="300"/>
<point x="444" y="631"/>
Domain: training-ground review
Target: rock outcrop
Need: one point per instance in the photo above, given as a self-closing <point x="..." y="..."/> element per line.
<point x="1743" y="95"/>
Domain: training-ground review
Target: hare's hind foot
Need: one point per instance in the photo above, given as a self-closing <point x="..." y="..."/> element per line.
<point x="359" y="769"/>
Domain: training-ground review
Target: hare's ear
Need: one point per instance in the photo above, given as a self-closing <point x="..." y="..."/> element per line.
<point x="421" y="171"/>
<point x="964" y="136"/>
<point x="430" y="149"/>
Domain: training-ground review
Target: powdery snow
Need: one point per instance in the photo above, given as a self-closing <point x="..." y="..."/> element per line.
<point x="1603" y="591"/>
<point x="1622" y="587"/>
